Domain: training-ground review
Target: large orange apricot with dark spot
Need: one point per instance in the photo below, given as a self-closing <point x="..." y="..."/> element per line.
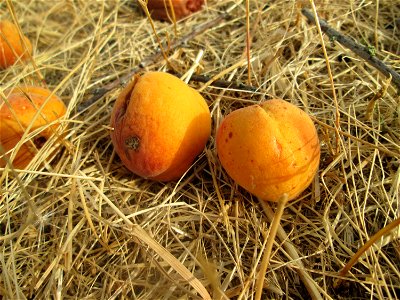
<point x="160" y="126"/>
<point x="12" y="46"/>
<point x="20" y="112"/>
<point x="269" y="149"/>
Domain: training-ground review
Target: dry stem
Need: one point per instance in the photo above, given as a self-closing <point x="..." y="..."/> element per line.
<point x="384" y="231"/>
<point x="358" y="49"/>
<point x="268" y="247"/>
<point x="310" y="284"/>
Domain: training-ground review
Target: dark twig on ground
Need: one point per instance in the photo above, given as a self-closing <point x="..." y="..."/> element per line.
<point x="220" y="83"/>
<point x="358" y="49"/>
<point x="157" y="56"/>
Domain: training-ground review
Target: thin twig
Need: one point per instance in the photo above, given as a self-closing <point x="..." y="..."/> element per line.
<point x="98" y="93"/>
<point x="358" y="49"/>
<point x="219" y="83"/>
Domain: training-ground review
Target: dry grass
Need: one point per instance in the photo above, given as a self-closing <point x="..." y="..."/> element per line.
<point x="79" y="225"/>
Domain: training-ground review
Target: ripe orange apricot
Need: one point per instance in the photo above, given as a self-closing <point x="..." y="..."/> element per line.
<point x="269" y="149"/>
<point x="11" y="45"/>
<point x="17" y="114"/>
<point x="160" y="126"/>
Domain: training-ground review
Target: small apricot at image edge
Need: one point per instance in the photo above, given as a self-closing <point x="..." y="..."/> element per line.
<point x="161" y="9"/>
<point x="160" y="125"/>
<point x="12" y="47"/>
<point x="17" y="115"/>
<point x="269" y="149"/>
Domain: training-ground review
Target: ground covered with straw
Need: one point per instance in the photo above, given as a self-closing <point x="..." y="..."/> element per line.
<point x="76" y="224"/>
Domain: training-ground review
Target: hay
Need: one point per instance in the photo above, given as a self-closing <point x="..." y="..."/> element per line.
<point x="79" y="225"/>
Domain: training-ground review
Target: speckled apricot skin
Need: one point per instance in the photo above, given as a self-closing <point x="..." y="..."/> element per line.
<point x="11" y="46"/>
<point x="160" y="126"/>
<point x="17" y="114"/>
<point x="269" y="149"/>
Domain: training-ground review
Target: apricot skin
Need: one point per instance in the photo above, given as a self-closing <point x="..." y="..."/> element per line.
<point x="161" y="10"/>
<point x="11" y="46"/>
<point x="160" y="126"/>
<point x="269" y="149"/>
<point x="16" y="116"/>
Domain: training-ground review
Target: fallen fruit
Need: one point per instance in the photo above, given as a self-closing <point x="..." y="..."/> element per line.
<point x="161" y="9"/>
<point x="269" y="149"/>
<point x="160" y="126"/>
<point x="17" y="114"/>
<point x="12" y="47"/>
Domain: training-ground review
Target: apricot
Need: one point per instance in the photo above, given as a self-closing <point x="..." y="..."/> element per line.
<point x="12" y="47"/>
<point x="160" y="126"/>
<point x="162" y="10"/>
<point x="17" y="114"/>
<point x="269" y="149"/>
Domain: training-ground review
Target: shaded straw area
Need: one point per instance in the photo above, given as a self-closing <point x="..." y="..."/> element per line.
<point x="71" y="223"/>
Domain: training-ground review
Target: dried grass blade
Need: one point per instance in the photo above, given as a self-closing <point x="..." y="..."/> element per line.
<point x="143" y="236"/>
<point x="268" y="247"/>
<point x="385" y="230"/>
<point x="312" y="288"/>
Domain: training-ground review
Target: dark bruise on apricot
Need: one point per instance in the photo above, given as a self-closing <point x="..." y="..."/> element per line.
<point x="125" y="104"/>
<point x="133" y="143"/>
<point x="39" y="141"/>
